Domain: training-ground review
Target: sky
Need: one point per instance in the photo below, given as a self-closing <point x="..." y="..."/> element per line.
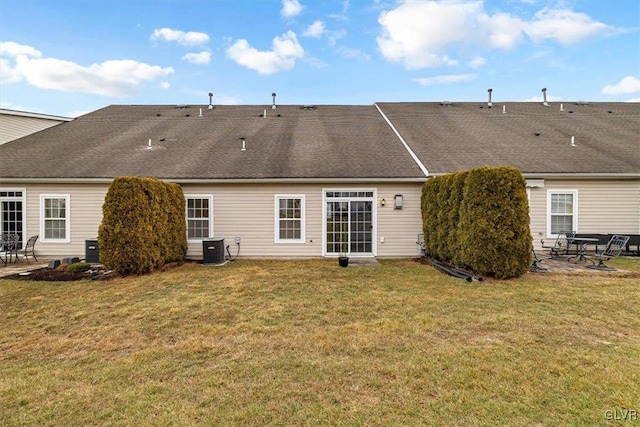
<point x="71" y="57"/>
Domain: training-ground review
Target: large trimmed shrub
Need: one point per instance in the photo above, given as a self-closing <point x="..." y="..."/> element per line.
<point x="143" y="225"/>
<point x="495" y="237"/>
<point x="479" y="219"/>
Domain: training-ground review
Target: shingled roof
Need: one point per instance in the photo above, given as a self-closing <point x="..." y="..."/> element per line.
<point x="291" y="142"/>
<point x="329" y="142"/>
<point x="449" y="137"/>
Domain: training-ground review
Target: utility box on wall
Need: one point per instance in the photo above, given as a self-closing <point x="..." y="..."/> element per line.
<point x="91" y="252"/>
<point x="213" y="251"/>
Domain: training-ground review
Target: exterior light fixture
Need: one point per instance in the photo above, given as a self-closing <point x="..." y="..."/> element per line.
<point x="383" y="202"/>
<point x="397" y="201"/>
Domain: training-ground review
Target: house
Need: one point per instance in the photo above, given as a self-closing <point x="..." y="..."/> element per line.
<point x="16" y="124"/>
<point x="311" y="181"/>
<point x="581" y="160"/>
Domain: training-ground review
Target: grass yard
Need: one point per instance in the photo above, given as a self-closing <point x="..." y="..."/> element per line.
<point x="309" y="343"/>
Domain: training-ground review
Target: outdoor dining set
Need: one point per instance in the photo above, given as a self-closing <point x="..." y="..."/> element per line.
<point x="12" y="247"/>
<point x="576" y="248"/>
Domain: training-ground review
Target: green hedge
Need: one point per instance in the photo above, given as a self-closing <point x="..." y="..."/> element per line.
<point x="143" y="225"/>
<point x="479" y="219"/>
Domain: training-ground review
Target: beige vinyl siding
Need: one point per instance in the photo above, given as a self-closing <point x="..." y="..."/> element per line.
<point x="85" y="215"/>
<point x="248" y="212"/>
<point x="604" y="206"/>
<point x="400" y="228"/>
<point x="14" y="126"/>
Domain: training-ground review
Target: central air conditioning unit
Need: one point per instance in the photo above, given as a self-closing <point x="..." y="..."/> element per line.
<point x="213" y="251"/>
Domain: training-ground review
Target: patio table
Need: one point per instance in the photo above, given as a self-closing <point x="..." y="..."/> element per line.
<point x="581" y="248"/>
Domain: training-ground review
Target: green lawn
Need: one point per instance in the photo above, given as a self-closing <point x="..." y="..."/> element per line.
<point x="309" y="343"/>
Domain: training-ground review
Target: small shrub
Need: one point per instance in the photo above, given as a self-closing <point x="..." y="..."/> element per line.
<point x="62" y="267"/>
<point x="78" y="267"/>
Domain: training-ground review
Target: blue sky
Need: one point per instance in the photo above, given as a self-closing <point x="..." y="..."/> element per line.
<point x="69" y="57"/>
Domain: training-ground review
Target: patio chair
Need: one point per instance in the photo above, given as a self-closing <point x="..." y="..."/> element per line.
<point x="4" y="248"/>
<point x="561" y="245"/>
<point x="9" y="246"/>
<point x="28" y="249"/>
<point x="614" y="248"/>
<point x="535" y="262"/>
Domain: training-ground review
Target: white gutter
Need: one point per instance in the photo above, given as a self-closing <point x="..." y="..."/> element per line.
<point x="557" y="175"/>
<point x="406" y="146"/>
<point x="34" y="115"/>
<point x="216" y="181"/>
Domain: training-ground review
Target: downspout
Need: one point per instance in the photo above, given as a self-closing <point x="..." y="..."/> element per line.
<point x="406" y="146"/>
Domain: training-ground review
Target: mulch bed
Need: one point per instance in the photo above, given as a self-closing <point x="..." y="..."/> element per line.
<point x="55" y="275"/>
<point x="97" y="272"/>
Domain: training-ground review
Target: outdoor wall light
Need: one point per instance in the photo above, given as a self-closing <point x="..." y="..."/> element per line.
<point x="397" y="201"/>
<point x="383" y="202"/>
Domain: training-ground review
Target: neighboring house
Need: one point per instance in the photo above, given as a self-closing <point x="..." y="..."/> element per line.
<point x="291" y="181"/>
<point x="16" y="124"/>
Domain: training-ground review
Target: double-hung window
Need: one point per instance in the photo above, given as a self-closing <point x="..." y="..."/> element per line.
<point x="54" y="217"/>
<point x="562" y="211"/>
<point x="199" y="216"/>
<point x="289" y="218"/>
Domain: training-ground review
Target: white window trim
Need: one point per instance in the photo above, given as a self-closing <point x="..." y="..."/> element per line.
<point x="22" y="199"/>
<point x="67" y="219"/>
<point x="374" y="218"/>
<point x="210" y="218"/>
<point x="575" y="210"/>
<point x="276" y="231"/>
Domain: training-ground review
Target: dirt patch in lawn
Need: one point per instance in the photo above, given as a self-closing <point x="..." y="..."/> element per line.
<point x="97" y="272"/>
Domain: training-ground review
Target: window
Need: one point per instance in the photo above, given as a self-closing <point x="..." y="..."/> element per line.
<point x="562" y="211"/>
<point x="54" y="214"/>
<point x="289" y="219"/>
<point x="199" y="217"/>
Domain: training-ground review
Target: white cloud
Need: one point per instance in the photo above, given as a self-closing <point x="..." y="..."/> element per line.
<point x="417" y="34"/>
<point x="282" y="56"/>
<point x="563" y="26"/>
<point x="13" y="50"/>
<point x="109" y="78"/>
<point x="290" y="8"/>
<point x="314" y="30"/>
<point x="334" y="36"/>
<point x="421" y="34"/>
<point x="625" y="86"/>
<point x="349" y="53"/>
<point x="445" y="79"/>
<point x="503" y="31"/>
<point x="187" y="39"/>
<point x="477" y="62"/>
<point x="165" y="85"/>
<point x="198" y="58"/>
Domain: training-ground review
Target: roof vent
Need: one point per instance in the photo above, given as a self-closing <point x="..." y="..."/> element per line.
<point x="445" y="103"/>
<point x="490" y="104"/>
<point x="544" y="97"/>
<point x="210" y="101"/>
<point x="308" y="107"/>
<point x="181" y="106"/>
<point x="582" y="103"/>
<point x="273" y="106"/>
<point x="244" y="144"/>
